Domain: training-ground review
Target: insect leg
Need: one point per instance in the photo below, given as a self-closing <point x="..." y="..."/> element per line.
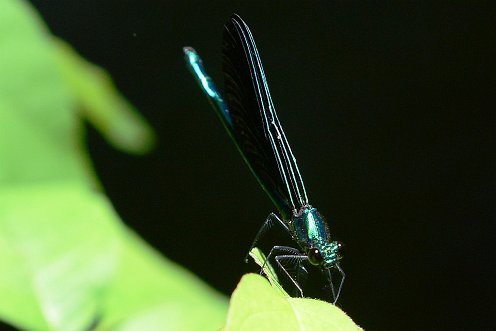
<point x="298" y="258"/>
<point x="268" y="224"/>
<point x="331" y="284"/>
<point x="343" y="276"/>
<point x="281" y="249"/>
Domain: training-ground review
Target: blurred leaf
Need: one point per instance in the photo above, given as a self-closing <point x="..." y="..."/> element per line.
<point x="66" y="260"/>
<point x="103" y="106"/>
<point x="40" y="134"/>
<point x="58" y="249"/>
<point x="149" y="292"/>
<point x="255" y="306"/>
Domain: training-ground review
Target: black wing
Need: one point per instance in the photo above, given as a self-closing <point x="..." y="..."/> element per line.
<point x="257" y="130"/>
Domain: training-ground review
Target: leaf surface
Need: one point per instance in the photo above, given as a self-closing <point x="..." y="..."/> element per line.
<point x="256" y="305"/>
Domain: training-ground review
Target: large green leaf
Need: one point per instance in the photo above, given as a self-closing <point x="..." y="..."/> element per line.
<point x="55" y="261"/>
<point x="256" y="306"/>
<point x="66" y="260"/>
<point x="63" y="267"/>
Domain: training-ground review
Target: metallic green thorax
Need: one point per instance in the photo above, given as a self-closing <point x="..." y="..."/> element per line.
<point x="311" y="231"/>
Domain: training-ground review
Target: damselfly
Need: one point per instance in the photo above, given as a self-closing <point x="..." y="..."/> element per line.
<point x="248" y="114"/>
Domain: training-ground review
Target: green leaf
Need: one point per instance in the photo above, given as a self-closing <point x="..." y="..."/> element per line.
<point x="62" y="267"/>
<point x="259" y="257"/>
<point x="55" y="261"/>
<point x="103" y="106"/>
<point x="255" y="305"/>
<point x="40" y="133"/>
<point x="66" y="260"/>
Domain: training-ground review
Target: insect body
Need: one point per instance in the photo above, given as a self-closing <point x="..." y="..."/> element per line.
<point x="248" y="113"/>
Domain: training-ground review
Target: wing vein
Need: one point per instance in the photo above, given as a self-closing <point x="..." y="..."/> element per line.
<point x="284" y="156"/>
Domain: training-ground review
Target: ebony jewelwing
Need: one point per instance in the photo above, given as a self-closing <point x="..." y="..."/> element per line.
<point x="248" y="114"/>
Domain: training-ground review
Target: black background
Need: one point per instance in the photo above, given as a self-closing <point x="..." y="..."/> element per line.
<point x="390" y="113"/>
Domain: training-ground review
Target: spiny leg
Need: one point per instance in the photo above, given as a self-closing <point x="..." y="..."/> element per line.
<point x="301" y="274"/>
<point x="281" y="249"/>
<point x="269" y="222"/>
<point x="331" y="284"/>
<point x="299" y="258"/>
<point x="343" y="276"/>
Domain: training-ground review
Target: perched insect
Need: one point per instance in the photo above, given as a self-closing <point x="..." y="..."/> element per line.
<point x="248" y="114"/>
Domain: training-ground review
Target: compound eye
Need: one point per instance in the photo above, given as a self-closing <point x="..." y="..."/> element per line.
<point x="341" y="249"/>
<point x="314" y="256"/>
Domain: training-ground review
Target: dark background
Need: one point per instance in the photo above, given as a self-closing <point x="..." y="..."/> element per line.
<point x="388" y="108"/>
